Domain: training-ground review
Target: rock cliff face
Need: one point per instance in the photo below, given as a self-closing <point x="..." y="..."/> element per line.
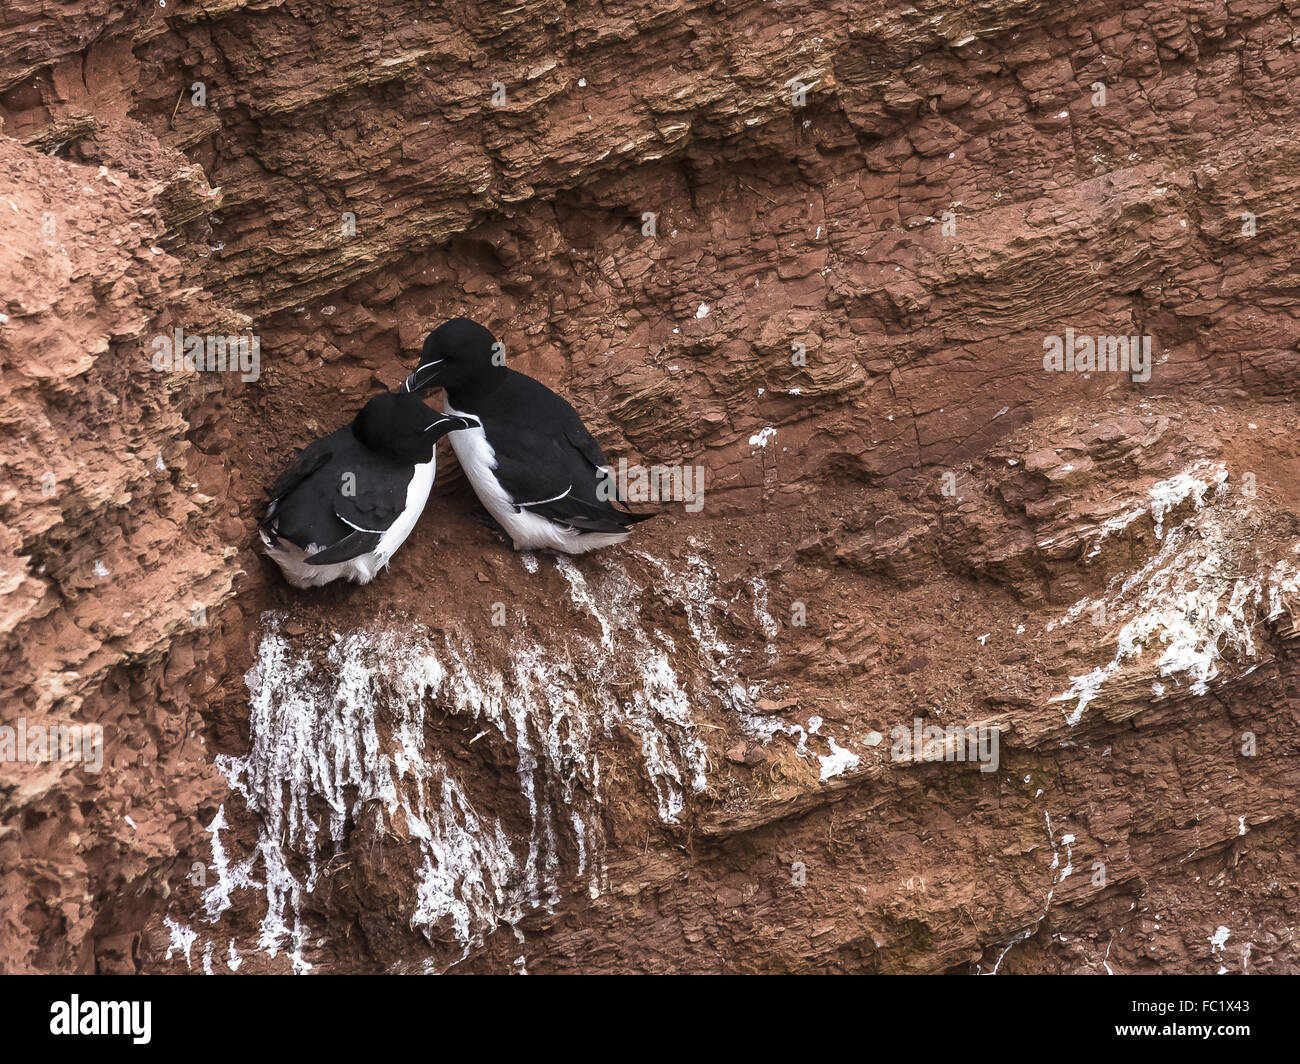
<point x="966" y="663"/>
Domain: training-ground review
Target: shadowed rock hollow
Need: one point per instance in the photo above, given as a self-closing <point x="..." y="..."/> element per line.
<point x="819" y="250"/>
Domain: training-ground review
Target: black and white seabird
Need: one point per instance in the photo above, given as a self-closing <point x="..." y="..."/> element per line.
<point x="530" y="459"/>
<point x="350" y="499"/>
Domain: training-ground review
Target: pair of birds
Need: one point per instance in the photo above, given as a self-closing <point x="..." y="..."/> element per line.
<point x="350" y="499"/>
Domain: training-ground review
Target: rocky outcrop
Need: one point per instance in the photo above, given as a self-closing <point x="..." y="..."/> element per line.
<point x="820" y="251"/>
<point x="116" y="552"/>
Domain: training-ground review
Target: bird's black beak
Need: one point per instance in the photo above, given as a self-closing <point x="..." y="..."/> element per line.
<point x="424" y="378"/>
<point x="446" y="423"/>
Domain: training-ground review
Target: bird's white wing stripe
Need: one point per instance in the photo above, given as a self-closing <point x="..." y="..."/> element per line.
<point x="540" y="502"/>
<point x="358" y="528"/>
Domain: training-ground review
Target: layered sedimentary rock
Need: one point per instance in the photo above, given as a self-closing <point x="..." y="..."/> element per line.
<point x="820" y="252"/>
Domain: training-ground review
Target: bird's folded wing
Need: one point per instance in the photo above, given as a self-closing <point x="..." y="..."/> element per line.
<point x="551" y="478"/>
<point x="350" y="546"/>
<point x="585" y="444"/>
<point x="585" y="516"/>
<point x="373" y="498"/>
<point x="310" y="459"/>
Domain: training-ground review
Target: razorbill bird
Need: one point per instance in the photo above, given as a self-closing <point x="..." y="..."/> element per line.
<point x="530" y="459"/>
<point x="350" y="499"/>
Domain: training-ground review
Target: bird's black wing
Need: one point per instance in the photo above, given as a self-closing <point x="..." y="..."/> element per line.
<point x="587" y="516"/>
<point x="310" y="459"/>
<point x="585" y="444"/>
<point x="526" y="403"/>
<point x="375" y="494"/>
<point x="582" y="441"/>
<point x="350" y="546"/>
<point x="552" y="478"/>
<point x="558" y="471"/>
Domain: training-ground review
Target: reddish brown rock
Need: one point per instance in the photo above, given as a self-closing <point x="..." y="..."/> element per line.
<point x="679" y="756"/>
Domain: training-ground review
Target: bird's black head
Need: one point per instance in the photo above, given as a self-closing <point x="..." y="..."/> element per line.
<point x="399" y="426"/>
<point x="460" y="356"/>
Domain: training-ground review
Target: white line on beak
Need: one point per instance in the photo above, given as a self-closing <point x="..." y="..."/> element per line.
<point x="443" y="421"/>
<point x="413" y="381"/>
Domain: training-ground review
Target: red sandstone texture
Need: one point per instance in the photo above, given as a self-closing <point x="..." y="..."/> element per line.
<point x="816" y="249"/>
